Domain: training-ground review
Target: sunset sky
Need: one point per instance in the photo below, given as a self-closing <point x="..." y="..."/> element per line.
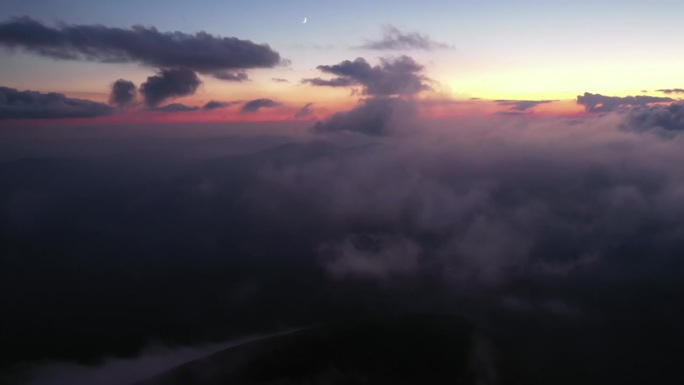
<point x="471" y="53"/>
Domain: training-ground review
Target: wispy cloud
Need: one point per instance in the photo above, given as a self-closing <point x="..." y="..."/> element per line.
<point x="521" y="105"/>
<point x="175" y="107"/>
<point x="671" y="90"/>
<point x="214" y="104"/>
<point x="304" y="112"/>
<point x="394" y="39"/>
<point x="16" y="104"/>
<point x="601" y="103"/>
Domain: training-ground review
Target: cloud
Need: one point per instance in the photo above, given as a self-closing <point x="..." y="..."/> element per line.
<point x="280" y="80"/>
<point x="200" y="52"/>
<point x="375" y="116"/>
<point x="600" y="103"/>
<point x="335" y="82"/>
<point x="521" y="105"/>
<point x="393" y="76"/>
<point x="213" y="104"/>
<point x="442" y="102"/>
<point x="169" y="83"/>
<point x="234" y="76"/>
<point x="478" y="210"/>
<point x="256" y="104"/>
<point x="175" y="107"/>
<point x="671" y="90"/>
<point x="666" y="119"/>
<point x="304" y="112"/>
<point x="512" y="113"/>
<point x="394" y="39"/>
<point x="16" y="104"/>
<point x="123" y="93"/>
<point x="370" y="256"/>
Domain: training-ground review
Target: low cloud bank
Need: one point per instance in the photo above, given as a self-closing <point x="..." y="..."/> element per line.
<point x="548" y="233"/>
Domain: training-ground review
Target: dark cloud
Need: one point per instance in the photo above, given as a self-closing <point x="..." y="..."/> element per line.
<point x="375" y="116"/>
<point x="522" y="105"/>
<point x="256" y="104"/>
<point x="16" y="104"/>
<point x="671" y="90"/>
<point x="304" y="112"/>
<point x="664" y="118"/>
<point x="393" y="76"/>
<point x="234" y="76"/>
<point x="175" y="107"/>
<point x="201" y="52"/>
<point x="213" y="104"/>
<point x="169" y="83"/>
<point x="394" y="39"/>
<point x="123" y="93"/>
<point x="280" y="80"/>
<point x="601" y="103"/>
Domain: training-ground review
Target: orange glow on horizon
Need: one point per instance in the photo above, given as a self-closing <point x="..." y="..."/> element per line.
<point x="427" y="109"/>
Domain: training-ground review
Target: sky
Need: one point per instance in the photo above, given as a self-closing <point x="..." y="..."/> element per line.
<point x="490" y="50"/>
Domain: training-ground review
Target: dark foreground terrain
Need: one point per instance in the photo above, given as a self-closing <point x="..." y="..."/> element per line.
<point x="380" y="350"/>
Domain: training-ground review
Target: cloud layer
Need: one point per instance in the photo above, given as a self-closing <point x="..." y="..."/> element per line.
<point x="547" y="233"/>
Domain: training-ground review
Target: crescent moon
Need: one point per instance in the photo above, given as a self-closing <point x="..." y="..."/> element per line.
<point x="304" y="22"/>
